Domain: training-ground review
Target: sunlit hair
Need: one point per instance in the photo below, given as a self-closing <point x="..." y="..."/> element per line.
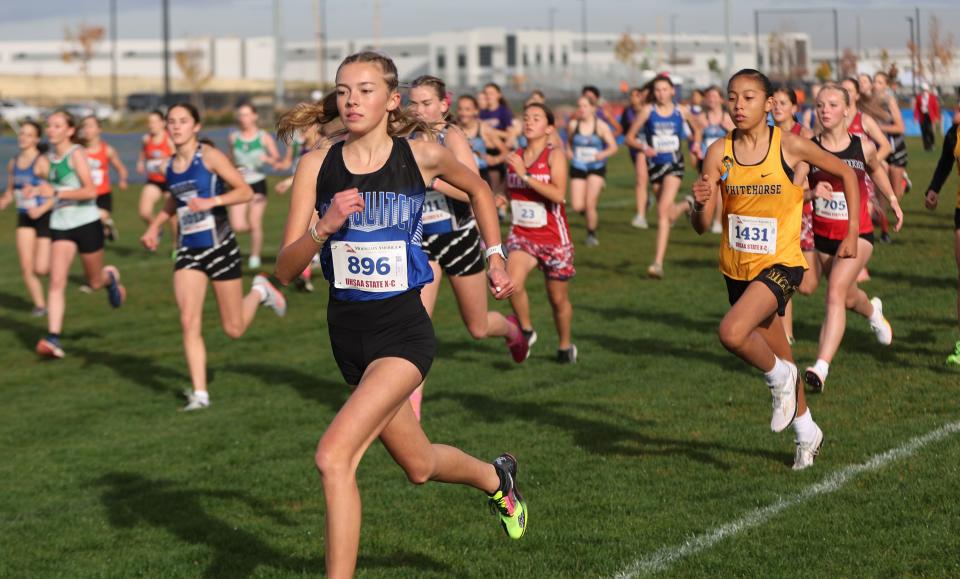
<point x="400" y="122"/>
<point x="756" y="76"/>
<point x="433" y="82"/>
<point x="836" y="87"/>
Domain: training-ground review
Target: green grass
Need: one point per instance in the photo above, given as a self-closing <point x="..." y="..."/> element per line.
<point x="657" y="435"/>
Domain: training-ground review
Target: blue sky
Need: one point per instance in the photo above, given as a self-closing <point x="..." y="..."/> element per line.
<point x="880" y="25"/>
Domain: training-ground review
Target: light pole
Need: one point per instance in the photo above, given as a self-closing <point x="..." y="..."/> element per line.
<point x="913" y="60"/>
<point x="113" y="54"/>
<point x="673" y="41"/>
<point x="320" y="13"/>
<point x="551" y="13"/>
<point x="166" y="52"/>
<point x="728" y="65"/>
<point x="583" y="22"/>
<point x="279" y="54"/>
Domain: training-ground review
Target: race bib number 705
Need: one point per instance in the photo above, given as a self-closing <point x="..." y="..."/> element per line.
<point x="370" y="266"/>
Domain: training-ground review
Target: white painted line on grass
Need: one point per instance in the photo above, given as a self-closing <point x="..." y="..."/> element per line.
<point x="664" y="558"/>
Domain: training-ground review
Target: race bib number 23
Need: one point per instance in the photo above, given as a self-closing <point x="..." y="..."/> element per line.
<point x="370" y="266"/>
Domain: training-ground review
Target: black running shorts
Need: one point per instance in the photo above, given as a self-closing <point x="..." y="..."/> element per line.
<point x="583" y="174"/>
<point x="105" y="202"/>
<point x="457" y="252"/>
<point x="830" y="246"/>
<point x="41" y="224"/>
<point x="260" y="187"/>
<point x="89" y="237"/>
<point x="396" y="327"/>
<point x="783" y="281"/>
<point x="221" y="262"/>
<point x="659" y="172"/>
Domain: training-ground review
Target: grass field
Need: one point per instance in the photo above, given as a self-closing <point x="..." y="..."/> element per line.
<point x="657" y="439"/>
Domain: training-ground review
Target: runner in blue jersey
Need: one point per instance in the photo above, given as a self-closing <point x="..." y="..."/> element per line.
<point x="207" y="248"/>
<point x="450" y="236"/>
<point x="662" y="124"/>
<point x="591" y="142"/>
<point x="26" y="183"/>
<point x="489" y="148"/>
<point x="369" y="192"/>
<point x="715" y="123"/>
<point x="638" y="98"/>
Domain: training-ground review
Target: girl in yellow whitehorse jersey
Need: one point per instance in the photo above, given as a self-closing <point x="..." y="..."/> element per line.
<point x="950" y="153"/>
<point x="752" y="170"/>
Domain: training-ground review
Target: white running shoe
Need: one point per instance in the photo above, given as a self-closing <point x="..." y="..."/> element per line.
<point x="883" y="330"/>
<point x="253" y="262"/>
<point x="784" y="401"/>
<point x="807" y="451"/>
<point x="716" y="228"/>
<point x="640" y="222"/>
<point x="274" y="299"/>
<point x="194" y="402"/>
<point x="814" y="380"/>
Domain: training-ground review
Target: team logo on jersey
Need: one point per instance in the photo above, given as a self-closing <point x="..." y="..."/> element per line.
<point x="385" y="209"/>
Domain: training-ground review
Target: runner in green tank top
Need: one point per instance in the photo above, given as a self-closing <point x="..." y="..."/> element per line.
<point x="74" y="228"/>
<point x="252" y="148"/>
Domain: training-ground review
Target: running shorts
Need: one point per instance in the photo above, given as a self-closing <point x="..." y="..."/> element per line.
<point x="221" y="262"/>
<point x="783" y="281"/>
<point x="457" y="252"/>
<point x="105" y="202"/>
<point x="41" y="224"/>
<point x="830" y="246"/>
<point x="88" y="237"/>
<point x="581" y="174"/>
<point x="554" y="260"/>
<point x="660" y="171"/>
<point x="260" y="187"/>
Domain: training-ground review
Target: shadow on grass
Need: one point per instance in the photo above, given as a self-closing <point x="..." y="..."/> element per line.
<point x="29" y="333"/>
<point x="330" y="393"/>
<point x="943" y="281"/>
<point x="132" y="499"/>
<point x="597" y="435"/>
<point x="15" y="302"/>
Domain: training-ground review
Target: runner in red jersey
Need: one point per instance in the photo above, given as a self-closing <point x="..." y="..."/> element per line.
<point x="540" y="237"/>
<point x="157" y="148"/>
<point x="100" y="155"/>
<point x="830" y="226"/>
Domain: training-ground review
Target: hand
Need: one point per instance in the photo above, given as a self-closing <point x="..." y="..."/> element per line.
<point x="501" y="286"/>
<point x="141" y="168"/>
<point x="344" y="204"/>
<point x="45" y="189"/>
<point x="898" y="212"/>
<point x="201" y="204"/>
<point x="37" y="212"/>
<point x="702" y="192"/>
<point x="28" y="191"/>
<point x="150" y="239"/>
<point x="931" y="200"/>
<point x="500" y="200"/>
<point x="650" y="152"/>
<point x="823" y="191"/>
<point x="123" y="184"/>
<point x="516" y="163"/>
<point x="284" y="186"/>
<point x="848" y="247"/>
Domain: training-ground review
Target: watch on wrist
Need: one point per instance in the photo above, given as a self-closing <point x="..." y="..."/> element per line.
<point x="496" y="250"/>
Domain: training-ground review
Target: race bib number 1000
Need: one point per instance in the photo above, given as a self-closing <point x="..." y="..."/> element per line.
<point x="752" y="234"/>
<point x="370" y="266"/>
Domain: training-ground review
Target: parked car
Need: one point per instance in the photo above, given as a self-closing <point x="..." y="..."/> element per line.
<point x="87" y="108"/>
<point x="13" y="110"/>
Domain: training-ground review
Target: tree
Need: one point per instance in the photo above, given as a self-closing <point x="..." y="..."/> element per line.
<point x="940" y="54"/>
<point x="884" y="59"/>
<point x="848" y="63"/>
<point x="824" y="71"/>
<point x="713" y="65"/>
<point x="81" y="46"/>
<point x="916" y="63"/>
<point x="625" y="48"/>
<point x="190" y="63"/>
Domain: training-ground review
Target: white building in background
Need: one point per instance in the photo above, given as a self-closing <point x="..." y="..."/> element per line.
<point x="526" y="58"/>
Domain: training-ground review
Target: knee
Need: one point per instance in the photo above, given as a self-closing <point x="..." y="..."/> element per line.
<point x="807" y="289"/>
<point x="58" y="283"/>
<point x="233" y="330"/>
<point x="478" y="330"/>
<point x="41" y="270"/>
<point x="190" y="324"/>
<point x="731" y="336"/>
<point x="331" y="463"/>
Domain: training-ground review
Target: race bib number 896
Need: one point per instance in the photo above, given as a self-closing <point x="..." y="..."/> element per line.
<point x="370" y="266"/>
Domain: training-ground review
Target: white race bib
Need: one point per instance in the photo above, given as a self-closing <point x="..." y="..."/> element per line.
<point x="97" y="175"/>
<point x="195" y="222"/>
<point x="528" y="214"/>
<point x="752" y="234"/>
<point x="25" y="203"/>
<point x="370" y="266"/>
<point x="586" y="154"/>
<point x="834" y="208"/>
<point x="435" y="208"/>
<point x="666" y="143"/>
<point x="154" y="165"/>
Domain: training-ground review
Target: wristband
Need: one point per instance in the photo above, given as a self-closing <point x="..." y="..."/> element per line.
<point x="495" y="250"/>
<point x="316" y="237"/>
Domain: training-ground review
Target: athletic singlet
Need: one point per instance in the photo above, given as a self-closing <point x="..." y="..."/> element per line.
<point x="69" y="213"/>
<point x="712" y="133"/>
<point x="376" y="254"/>
<point x="856" y="126"/>
<point x="247" y="156"/>
<point x="154" y="156"/>
<point x="99" y="161"/>
<point x="534" y="216"/>
<point x="830" y="217"/>
<point x="299" y="148"/>
<point x="442" y="214"/>
<point x="896" y="140"/>
<point x="22" y="178"/>
<point x="761" y="213"/>
<point x="797" y="128"/>
<point x="479" y="148"/>
<point x="499" y="118"/>
<point x="586" y="147"/>
<point x="200" y="229"/>
<point x="663" y="134"/>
